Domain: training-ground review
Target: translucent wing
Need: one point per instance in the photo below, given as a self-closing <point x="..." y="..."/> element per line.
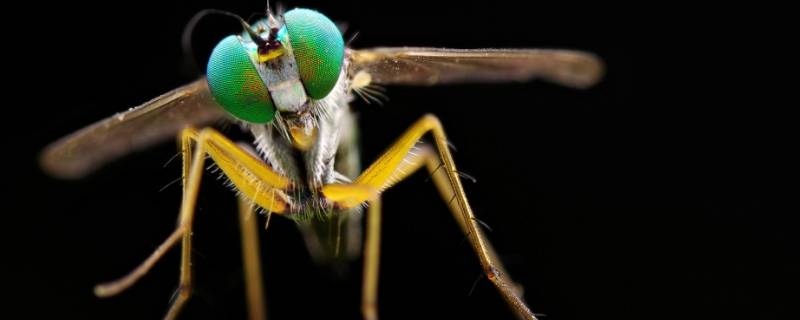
<point x="80" y="153"/>
<point x="430" y="66"/>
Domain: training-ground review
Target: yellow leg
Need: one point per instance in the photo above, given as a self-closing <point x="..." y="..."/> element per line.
<point x="354" y="193"/>
<point x="394" y="165"/>
<point x="253" y="280"/>
<point x="252" y="178"/>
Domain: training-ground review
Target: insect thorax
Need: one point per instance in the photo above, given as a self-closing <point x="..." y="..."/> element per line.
<point x="312" y="166"/>
<point x="331" y="235"/>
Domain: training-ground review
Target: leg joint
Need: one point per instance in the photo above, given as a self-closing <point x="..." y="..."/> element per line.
<point x="492" y="274"/>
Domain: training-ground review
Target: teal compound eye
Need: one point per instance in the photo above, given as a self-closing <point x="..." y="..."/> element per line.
<point x="235" y="83"/>
<point x="318" y="49"/>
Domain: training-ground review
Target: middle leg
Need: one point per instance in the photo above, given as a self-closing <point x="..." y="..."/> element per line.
<point x="399" y="161"/>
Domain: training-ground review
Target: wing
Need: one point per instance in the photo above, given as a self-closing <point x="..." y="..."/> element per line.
<point x="80" y="153"/>
<point x="430" y="66"/>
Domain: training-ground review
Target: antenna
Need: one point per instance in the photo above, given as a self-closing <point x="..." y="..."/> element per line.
<point x="186" y="37"/>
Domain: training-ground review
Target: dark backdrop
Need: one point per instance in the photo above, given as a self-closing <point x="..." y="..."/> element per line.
<point x="643" y="197"/>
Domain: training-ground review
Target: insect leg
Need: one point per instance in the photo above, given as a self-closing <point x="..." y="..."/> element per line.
<point x="251" y="260"/>
<point x="352" y="195"/>
<point x="399" y="161"/>
<point x="253" y="178"/>
<point x="511" y="291"/>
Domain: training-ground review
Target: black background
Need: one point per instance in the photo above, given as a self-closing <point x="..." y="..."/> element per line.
<point x="650" y="195"/>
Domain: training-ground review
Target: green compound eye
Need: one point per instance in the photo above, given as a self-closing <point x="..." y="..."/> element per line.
<point x="236" y="84"/>
<point x="318" y="48"/>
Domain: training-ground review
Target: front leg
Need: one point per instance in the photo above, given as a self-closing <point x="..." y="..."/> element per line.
<point x="252" y="177"/>
<point x="395" y="165"/>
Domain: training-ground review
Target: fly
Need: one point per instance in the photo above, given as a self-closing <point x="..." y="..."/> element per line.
<point x="288" y="79"/>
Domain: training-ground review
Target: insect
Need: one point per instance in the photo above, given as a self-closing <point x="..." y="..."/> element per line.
<point x="288" y="80"/>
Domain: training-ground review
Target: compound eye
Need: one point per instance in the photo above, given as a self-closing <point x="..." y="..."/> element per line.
<point x="318" y="49"/>
<point x="235" y="83"/>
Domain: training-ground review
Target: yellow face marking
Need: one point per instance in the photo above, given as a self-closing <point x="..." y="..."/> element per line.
<point x="272" y="54"/>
